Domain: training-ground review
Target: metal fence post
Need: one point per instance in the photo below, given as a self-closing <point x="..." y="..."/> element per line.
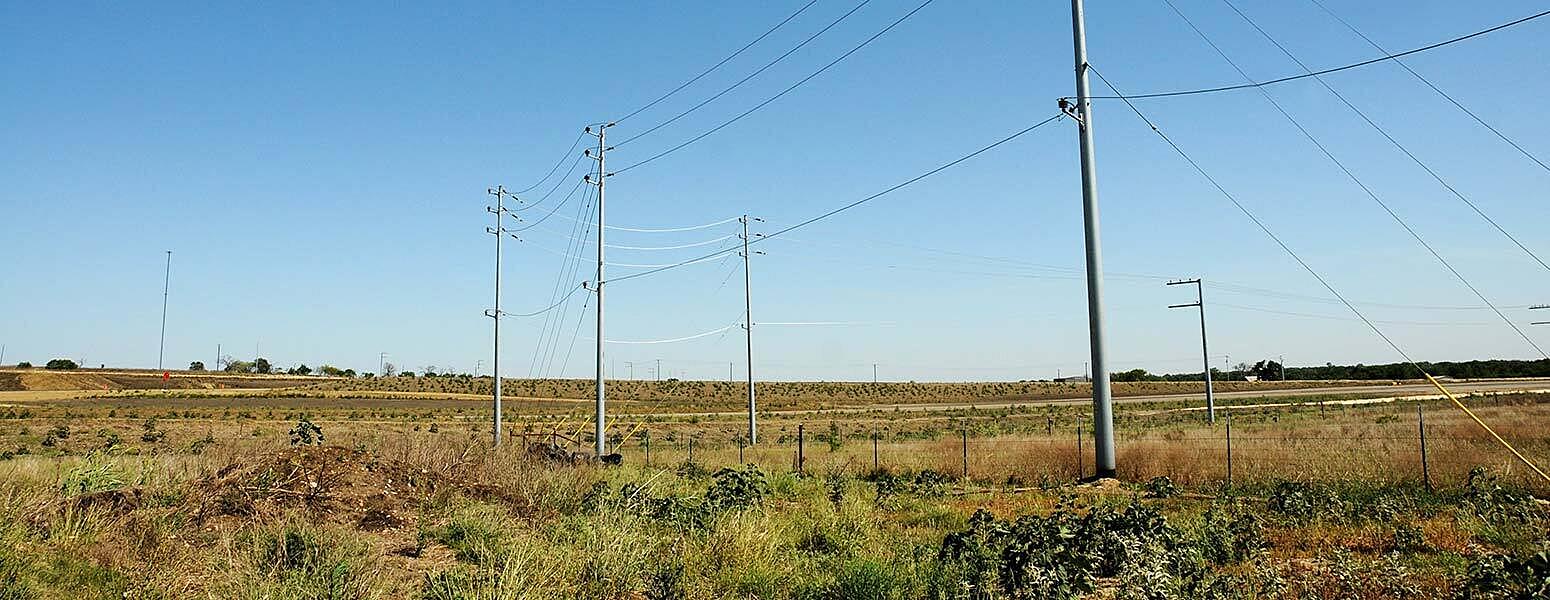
<point x="1229" y="449"/>
<point x="691" y="450"/>
<point x="648" y="447"/>
<point x="1049" y="425"/>
<point x="801" y="442"/>
<point x="874" y="452"/>
<point x="1426" y="474"/>
<point x="966" y="455"/>
<point x="1080" y="470"/>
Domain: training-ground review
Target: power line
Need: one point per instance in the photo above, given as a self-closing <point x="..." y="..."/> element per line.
<point x="557" y="183"/>
<point x="1335" y="318"/>
<point x="556" y="207"/>
<point x="545" y="309"/>
<point x="875" y="196"/>
<point x="783" y="92"/>
<point x="1396" y="143"/>
<point x="740" y="81"/>
<point x="1386" y="57"/>
<point x="665" y="229"/>
<point x="1316" y="275"/>
<point x="1354" y="179"/>
<point x="1434" y="88"/>
<point x="556" y="166"/>
<point x="549" y="343"/>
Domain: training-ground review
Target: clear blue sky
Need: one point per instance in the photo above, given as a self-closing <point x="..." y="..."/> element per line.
<point x="319" y="173"/>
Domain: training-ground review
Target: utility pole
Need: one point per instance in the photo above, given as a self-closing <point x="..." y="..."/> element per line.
<point x="658" y="371"/>
<point x="1282" y="362"/>
<point x="631" y="365"/>
<point x="1082" y="113"/>
<point x="602" y="175"/>
<point x="165" y="286"/>
<point x="217" y="362"/>
<point x="753" y="427"/>
<point x="874" y="373"/>
<point x="499" y="231"/>
<point x="1205" y="353"/>
<point x="382" y="364"/>
<point x="730" y="366"/>
<point x="477" y="364"/>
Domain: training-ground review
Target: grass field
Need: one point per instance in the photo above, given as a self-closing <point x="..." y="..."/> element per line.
<point x="145" y="494"/>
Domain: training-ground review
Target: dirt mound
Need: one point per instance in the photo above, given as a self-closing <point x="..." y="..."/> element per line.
<point x="334" y="483"/>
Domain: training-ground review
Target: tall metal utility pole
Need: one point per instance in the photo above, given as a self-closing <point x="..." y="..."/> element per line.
<point x="217" y="362"/>
<point x="478" y="364"/>
<point x="382" y="364"/>
<point x="1103" y="402"/>
<point x="658" y="371"/>
<point x="1205" y="353"/>
<point x="874" y="373"/>
<point x="601" y="445"/>
<point x="753" y="426"/>
<point x="166" y="284"/>
<point x="631" y="365"/>
<point x="499" y="231"/>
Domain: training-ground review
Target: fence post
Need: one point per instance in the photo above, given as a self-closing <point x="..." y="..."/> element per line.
<point x="965" y="454"/>
<point x="740" y="452"/>
<point x="801" y="441"/>
<point x="691" y="450"/>
<point x="1229" y="449"/>
<point x="1080" y="471"/>
<point x="1426" y="473"/>
<point x="1049" y="425"/>
<point x="648" y="447"/>
<point x="874" y="451"/>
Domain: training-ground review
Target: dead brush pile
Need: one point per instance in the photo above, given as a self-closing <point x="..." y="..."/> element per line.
<point x="332" y="483"/>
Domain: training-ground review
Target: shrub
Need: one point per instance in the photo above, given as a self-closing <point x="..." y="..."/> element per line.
<point x="1161" y="487"/>
<point x="305" y="433"/>
<point x="1520" y="576"/>
<point x="24" y="365"/>
<point x="740" y="487"/>
<point x="61" y="364"/>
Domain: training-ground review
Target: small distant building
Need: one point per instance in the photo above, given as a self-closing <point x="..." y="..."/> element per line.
<point x="1074" y="379"/>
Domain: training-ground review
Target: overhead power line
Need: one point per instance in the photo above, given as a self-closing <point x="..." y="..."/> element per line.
<point x="720" y="63"/>
<point x="1417" y="160"/>
<point x="783" y="92"/>
<point x="891" y="189"/>
<point x="556" y="208"/>
<point x="1311" y="271"/>
<point x="665" y="229"/>
<point x="1445" y="95"/>
<point x="546" y="309"/>
<point x="1386" y="57"/>
<point x="1352" y="176"/>
<point x="745" y="79"/>
<point x="555" y="168"/>
<point x="557" y="183"/>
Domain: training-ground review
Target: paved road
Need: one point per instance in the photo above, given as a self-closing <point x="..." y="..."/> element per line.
<point x="1406" y="389"/>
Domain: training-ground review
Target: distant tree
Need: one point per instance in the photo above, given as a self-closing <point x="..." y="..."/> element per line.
<point x="261" y="365"/>
<point x="349" y="373"/>
<point x="388" y="370"/>
<point x="302" y="369"/>
<point x="430" y="370"/>
<point x="61" y="364"/>
<point x="1266" y="370"/>
<point x="24" y="365"/>
<point x="330" y="371"/>
<point x="196" y="366"/>
<point x="406" y="374"/>
<point x="238" y="366"/>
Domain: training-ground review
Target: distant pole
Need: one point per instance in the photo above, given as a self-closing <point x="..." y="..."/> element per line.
<point x="500" y="232"/>
<point x="658" y="370"/>
<point x="165" y="286"/>
<point x="753" y="426"/>
<point x="631" y="365"/>
<point x="874" y="452"/>
<point x="801" y="443"/>
<point x="730" y="366"/>
<point x="1205" y="352"/>
<point x="602" y="175"/>
<point x="382" y="364"/>
<point x="217" y="362"/>
<point x="477" y="365"/>
<point x="1283" y="366"/>
<point x="2" y="354"/>
<point x="874" y="373"/>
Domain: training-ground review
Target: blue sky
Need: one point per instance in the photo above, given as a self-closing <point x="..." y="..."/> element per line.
<point x="319" y="173"/>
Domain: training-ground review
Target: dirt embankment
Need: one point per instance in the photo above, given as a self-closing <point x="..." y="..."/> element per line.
<point x="97" y="380"/>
